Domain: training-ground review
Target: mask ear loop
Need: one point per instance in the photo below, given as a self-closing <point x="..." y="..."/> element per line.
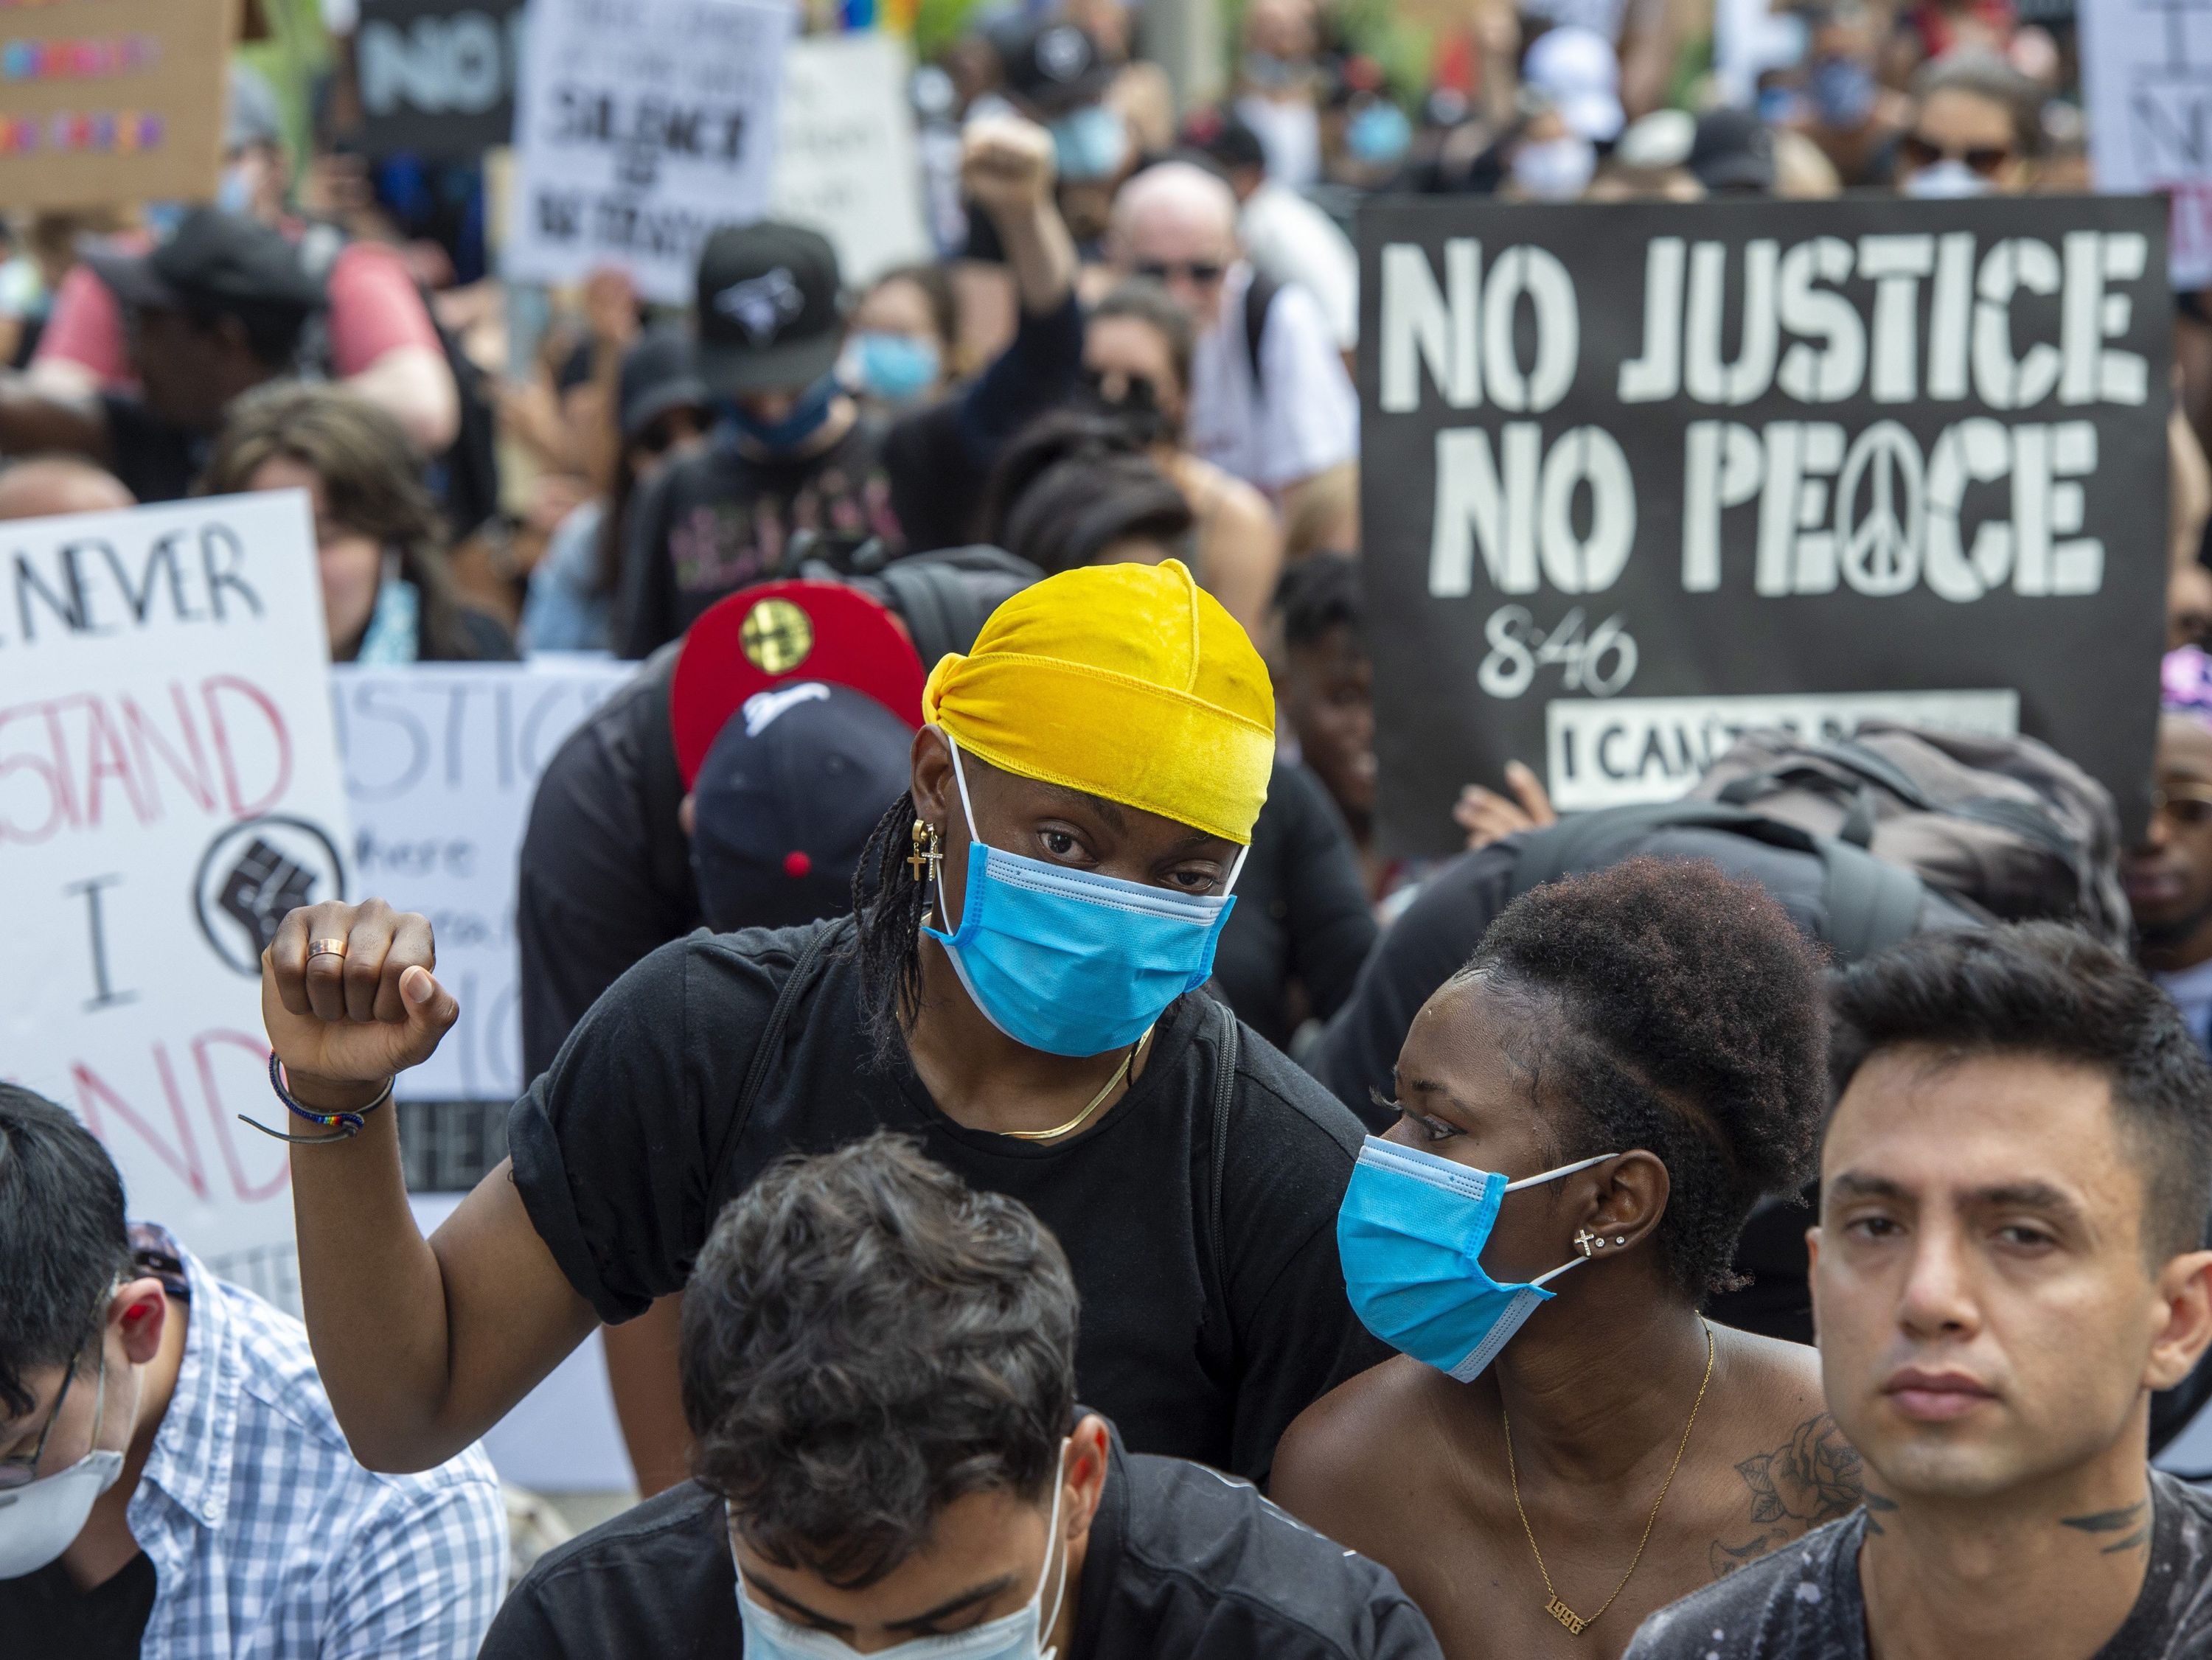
<point x="967" y="814"/>
<point x="1236" y="869"/>
<point x="1046" y="1622"/>
<point x="1552" y="1176"/>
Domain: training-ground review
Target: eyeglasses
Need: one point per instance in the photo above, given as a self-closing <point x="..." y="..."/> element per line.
<point x="1987" y="160"/>
<point x="1204" y="272"/>
<point x="1138" y="391"/>
<point x="19" y="1470"/>
<point x="2189" y="805"/>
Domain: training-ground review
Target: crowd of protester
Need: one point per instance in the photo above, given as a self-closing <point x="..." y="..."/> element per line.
<point x="1044" y="1172"/>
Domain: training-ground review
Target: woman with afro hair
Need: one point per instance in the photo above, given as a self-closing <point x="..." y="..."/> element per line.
<point x="1587" y="1112"/>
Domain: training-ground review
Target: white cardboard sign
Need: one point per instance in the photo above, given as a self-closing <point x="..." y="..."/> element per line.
<point x="641" y="125"/>
<point x="845" y="163"/>
<point x="2146" y="77"/>
<point x="168" y="790"/>
<point x="441" y="760"/>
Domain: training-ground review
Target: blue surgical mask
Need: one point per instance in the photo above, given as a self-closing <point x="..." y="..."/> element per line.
<point x="1020" y="1635"/>
<point x="804" y="420"/>
<point x="1409" y="1234"/>
<point x="1090" y="144"/>
<point x="1842" y="91"/>
<point x="234" y="193"/>
<point x="1555" y="169"/>
<point x="1379" y="135"/>
<point x="895" y="367"/>
<point x="1070" y="961"/>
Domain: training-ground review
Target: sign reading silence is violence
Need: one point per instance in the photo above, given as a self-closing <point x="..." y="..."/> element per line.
<point x="1639" y="477"/>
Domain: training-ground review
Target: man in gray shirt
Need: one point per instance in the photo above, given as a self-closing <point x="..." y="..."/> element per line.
<point x="2014" y="1188"/>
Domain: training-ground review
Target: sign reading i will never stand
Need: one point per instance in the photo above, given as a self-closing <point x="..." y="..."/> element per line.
<point x="169" y="789"/>
<point x="1637" y="476"/>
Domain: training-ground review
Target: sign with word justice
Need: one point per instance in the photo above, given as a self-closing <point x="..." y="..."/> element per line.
<point x="642" y="126"/>
<point x="111" y="101"/>
<point x="169" y="790"/>
<point x="440" y="762"/>
<point x="1636" y="477"/>
<point x="2146" y="78"/>
<point x="437" y="77"/>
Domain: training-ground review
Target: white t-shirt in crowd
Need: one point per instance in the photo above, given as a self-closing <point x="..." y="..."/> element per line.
<point x="1293" y="240"/>
<point x="1304" y="416"/>
<point x="1289" y="131"/>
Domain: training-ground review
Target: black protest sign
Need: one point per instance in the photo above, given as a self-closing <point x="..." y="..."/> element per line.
<point x="437" y="77"/>
<point x="1636" y="476"/>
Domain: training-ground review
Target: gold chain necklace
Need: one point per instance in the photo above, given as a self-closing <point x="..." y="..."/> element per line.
<point x="1557" y="1607"/>
<point x="1076" y="1122"/>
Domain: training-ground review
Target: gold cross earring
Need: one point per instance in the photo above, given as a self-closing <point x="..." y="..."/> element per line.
<point x="1587" y="1243"/>
<point x="928" y="850"/>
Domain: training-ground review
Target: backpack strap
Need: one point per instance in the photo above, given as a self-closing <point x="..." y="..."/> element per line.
<point x="1871" y="904"/>
<point x="804" y="973"/>
<point x="1225" y="1055"/>
<point x="1258" y="296"/>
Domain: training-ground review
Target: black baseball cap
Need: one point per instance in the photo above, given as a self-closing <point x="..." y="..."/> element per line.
<point x="215" y="261"/>
<point x="1734" y="150"/>
<point x="1050" y="67"/>
<point x="658" y="373"/>
<point x="767" y="317"/>
<point x="785" y="802"/>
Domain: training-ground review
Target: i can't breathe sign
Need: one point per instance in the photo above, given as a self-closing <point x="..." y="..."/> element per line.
<point x="1639" y="476"/>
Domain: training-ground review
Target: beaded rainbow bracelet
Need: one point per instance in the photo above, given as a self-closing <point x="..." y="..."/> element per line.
<point x="345" y="1125"/>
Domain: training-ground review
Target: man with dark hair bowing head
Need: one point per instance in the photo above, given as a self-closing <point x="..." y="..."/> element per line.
<point x="1015" y="987"/>
<point x="2013" y="1194"/>
<point x="879" y="1365"/>
<point x="1587" y="1113"/>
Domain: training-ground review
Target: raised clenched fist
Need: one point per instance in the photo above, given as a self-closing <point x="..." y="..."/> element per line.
<point x="349" y="999"/>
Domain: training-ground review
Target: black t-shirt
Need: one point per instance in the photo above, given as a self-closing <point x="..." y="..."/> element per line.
<point x="718" y="520"/>
<point x="1181" y="1563"/>
<point x="1805" y="1602"/>
<point x="628" y="1148"/>
<point x="155" y="461"/>
<point x="45" y="1613"/>
<point x="1301" y="912"/>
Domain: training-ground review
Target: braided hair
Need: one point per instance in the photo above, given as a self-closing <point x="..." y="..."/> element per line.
<point x="889" y="904"/>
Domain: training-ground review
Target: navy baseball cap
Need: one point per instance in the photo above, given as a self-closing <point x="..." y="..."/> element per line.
<point x="785" y="801"/>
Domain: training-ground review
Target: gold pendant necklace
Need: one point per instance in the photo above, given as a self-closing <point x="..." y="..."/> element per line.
<point x="1557" y="1608"/>
<point x="1076" y="1122"/>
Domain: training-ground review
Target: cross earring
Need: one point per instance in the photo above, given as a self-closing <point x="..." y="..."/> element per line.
<point x="1589" y="1243"/>
<point x="928" y="850"/>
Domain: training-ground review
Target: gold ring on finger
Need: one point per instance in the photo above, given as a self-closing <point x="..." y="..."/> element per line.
<point x="325" y="949"/>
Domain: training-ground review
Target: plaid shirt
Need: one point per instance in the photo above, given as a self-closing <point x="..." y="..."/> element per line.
<point x="269" y="1542"/>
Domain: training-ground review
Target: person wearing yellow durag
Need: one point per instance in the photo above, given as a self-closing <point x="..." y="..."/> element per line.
<point x="1017" y="990"/>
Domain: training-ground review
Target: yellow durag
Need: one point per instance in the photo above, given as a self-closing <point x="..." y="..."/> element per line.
<point x="1128" y="681"/>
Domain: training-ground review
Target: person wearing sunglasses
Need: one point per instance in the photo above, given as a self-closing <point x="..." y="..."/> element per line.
<point x="1269" y="398"/>
<point x="1976" y="122"/>
<point x="661" y="414"/>
<point x="2168" y="876"/>
<point x="172" y="1482"/>
<point x="1137" y="350"/>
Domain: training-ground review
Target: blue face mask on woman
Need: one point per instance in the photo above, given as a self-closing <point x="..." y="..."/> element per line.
<point x="1070" y="961"/>
<point x="1410" y="1234"/>
<point x="1090" y="144"/>
<point x="895" y="367"/>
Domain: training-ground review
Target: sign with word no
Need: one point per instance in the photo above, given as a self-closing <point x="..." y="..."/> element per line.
<point x="1636" y="477"/>
<point x="437" y="77"/>
<point x="169" y="789"/>
<point x="2146" y="77"/>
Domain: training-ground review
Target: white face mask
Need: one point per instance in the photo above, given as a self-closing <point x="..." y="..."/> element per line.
<point x="39" y="1521"/>
<point x="1020" y="1635"/>
<point x="1947" y="180"/>
<point x="1555" y="169"/>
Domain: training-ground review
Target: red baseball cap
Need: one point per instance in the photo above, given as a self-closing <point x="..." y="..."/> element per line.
<point x="784" y="634"/>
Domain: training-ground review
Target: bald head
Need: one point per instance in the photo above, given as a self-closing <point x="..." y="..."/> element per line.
<point x="46" y="486"/>
<point x="1178" y="222"/>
